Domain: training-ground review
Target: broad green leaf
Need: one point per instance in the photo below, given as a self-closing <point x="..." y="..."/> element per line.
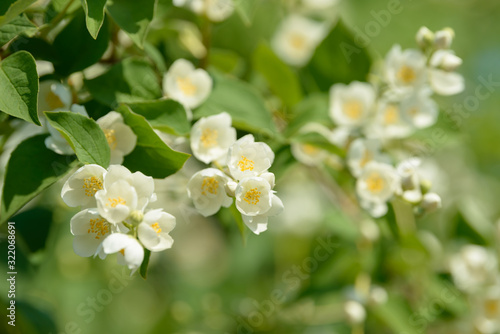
<point x="84" y="135"/>
<point x="133" y="17"/>
<point x="130" y="81"/>
<point x="241" y="101"/>
<point x="144" y="265"/>
<point x="151" y="155"/>
<point x="31" y="168"/>
<point x="10" y="9"/>
<point x="281" y="79"/>
<point x="76" y="49"/>
<point x="339" y="59"/>
<point x="20" y="25"/>
<point x="19" y="86"/>
<point x="94" y="14"/>
<point x="396" y="316"/>
<point x="165" y="115"/>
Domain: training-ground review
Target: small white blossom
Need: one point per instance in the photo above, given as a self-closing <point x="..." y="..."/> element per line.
<point x="187" y="85"/>
<point x="211" y="138"/>
<point x="410" y="180"/>
<point x="89" y="229"/>
<point x="444" y="38"/>
<point x="355" y="312"/>
<point x="56" y="142"/>
<point x="424" y="37"/>
<point x="446" y="60"/>
<point x="308" y="154"/>
<point x="488" y="308"/>
<point x="419" y="109"/>
<point x="121" y="139"/>
<point x="389" y="122"/>
<point x="207" y="190"/>
<point x="80" y="188"/>
<point x="296" y="39"/>
<point x="130" y="252"/>
<point x="361" y="152"/>
<point x="153" y="231"/>
<point x="430" y="202"/>
<point x="351" y="105"/>
<point x="117" y="202"/>
<point x="441" y="76"/>
<point x="215" y="10"/>
<point x="248" y="158"/>
<point x="405" y="69"/>
<point x="320" y="4"/>
<point x="53" y="95"/>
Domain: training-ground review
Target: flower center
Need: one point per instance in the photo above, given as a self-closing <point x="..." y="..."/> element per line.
<point x="492" y="308"/>
<point x="391" y="115"/>
<point x="186" y="86"/>
<point x="209" y="184"/>
<point x="99" y="227"/>
<point x="298" y="41"/>
<point x="245" y="164"/>
<point x="310" y="149"/>
<point x="413" y="112"/>
<point x="353" y="110"/>
<point x="366" y="158"/>
<point x="209" y="137"/>
<point x="156" y="227"/>
<point x="252" y="196"/>
<point x="91" y="185"/>
<point x="113" y="202"/>
<point x="406" y="74"/>
<point x="375" y="183"/>
<point x="110" y="137"/>
<point x="53" y="101"/>
<point x="122" y="251"/>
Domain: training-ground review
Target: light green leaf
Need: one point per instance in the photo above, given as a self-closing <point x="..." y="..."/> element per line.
<point x="31" y="168"/>
<point x="84" y="135"/>
<point x="151" y="155"/>
<point x="10" y="9"/>
<point x="281" y="79"/>
<point x="19" y="86"/>
<point x="165" y="115"/>
<point x="133" y="17"/>
<point x="241" y="101"/>
<point x="94" y="14"/>
<point x="20" y="25"/>
<point x="130" y="81"/>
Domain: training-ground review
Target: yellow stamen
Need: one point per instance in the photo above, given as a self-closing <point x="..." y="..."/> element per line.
<point x="209" y="137"/>
<point x="91" y="185"/>
<point x="122" y="251"/>
<point x="406" y="74"/>
<point x="245" y="164"/>
<point x="53" y="101"/>
<point x="113" y="202"/>
<point x="353" y="110"/>
<point x="375" y="183"/>
<point x="391" y="115"/>
<point x="110" y="137"/>
<point x="186" y="86"/>
<point x="99" y="226"/>
<point x="492" y="308"/>
<point x="156" y="227"/>
<point x="209" y="184"/>
<point x="252" y="196"/>
<point x="298" y="41"/>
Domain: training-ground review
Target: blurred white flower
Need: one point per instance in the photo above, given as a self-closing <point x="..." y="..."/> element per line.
<point x="488" y="308"/>
<point x="56" y="142"/>
<point x="389" y="121"/>
<point x="443" y="38"/>
<point x="211" y="138"/>
<point x="446" y="60"/>
<point x="153" y="231"/>
<point x="80" y="188"/>
<point x="473" y="268"/>
<point x="405" y="69"/>
<point x="207" y="190"/>
<point x="431" y="202"/>
<point x="215" y="10"/>
<point x="361" y="152"/>
<point x="441" y="76"/>
<point x="351" y="105"/>
<point x="320" y="4"/>
<point x="187" y="85"/>
<point x="424" y="37"/>
<point x="296" y="39"/>
<point x="53" y="95"/>
<point x="355" y="312"/>
<point x="410" y="179"/>
<point x="419" y="109"/>
<point x="130" y="252"/>
<point x="121" y="139"/>
<point x="308" y="154"/>
<point x="248" y="158"/>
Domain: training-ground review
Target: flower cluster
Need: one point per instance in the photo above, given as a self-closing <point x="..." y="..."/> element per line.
<point x="214" y="10"/>
<point x="242" y="173"/>
<point x="115" y="216"/>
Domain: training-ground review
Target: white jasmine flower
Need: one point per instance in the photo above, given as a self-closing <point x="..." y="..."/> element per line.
<point x="80" y="188"/>
<point x="361" y="152"/>
<point x="211" y="138"/>
<point x="53" y="95"/>
<point x="215" y="10"/>
<point x="446" y="60"/>
<point x="117" y="202"/>
<point x="154" y="230"/>
<point x="121" y="139"/>
<point x="419" y="109"/>
<point x="375" y="186"/>
<point x="405" y="69"/>
<point x="441" y="76"/>
<point x="424" y="37"/>
<point x="56" y="142"/>
<point x="296" y="39"/>
<point x="444" y="38"/>
<point x="308" y="154"/>
<point x="473" y="267"/>
<point x="350" y="105"/>
<point x="187" y="85"/>
<point x="410" y="180"/>
<point x="389" y="121"/>
<point x="488" y="319"/>
<point x="207" y="190"/>
<point x="320" y="4"/>
<point x="248" y="158"/>
<point x="430" y="202"/>
<point x="130" y="251"/>
<point x="355" y="312"/>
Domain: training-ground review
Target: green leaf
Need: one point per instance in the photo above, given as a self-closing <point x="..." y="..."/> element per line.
<point x="10" y="9"/>
<point x="31" y="168"/>
<point x="84" y="135"/>
<point x="339" y="59"/>
<point x="94" y="14"/>
<point x="151" y="155"/>
<point x="76" y="49"/>
<point x="313" y="108"/>
<point x="241" y="101"/>
<point x="20" y="25"/>
<point x="130" y="81"/>
<point x="165" y="115"/>
<point x="19" y="86"/>
<point x="144" y="265"/>
<point x="281" y="79"/>
<point x="133" y="17"/>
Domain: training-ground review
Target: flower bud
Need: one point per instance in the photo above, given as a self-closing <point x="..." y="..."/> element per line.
<point x="431" y="202"/>
<point x="444" y="38"/>
<point x="425" y="37"/>
<point x="137" y="216"/>
<point x="355" y="312"/>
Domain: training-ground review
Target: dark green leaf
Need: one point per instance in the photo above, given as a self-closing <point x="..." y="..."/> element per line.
<point x="31" y="168"/>
<point x="19" y="86"/>
<point x="20" y="25"/>
<point x="84" y="135"/>
<point x="151" y="155"/>
<point x="33" y="226"/>
<point x="9" y="9"/>
<point x="94" y="13"/>
<point x="132" y="80"/>
<point x="144" y="265"/>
